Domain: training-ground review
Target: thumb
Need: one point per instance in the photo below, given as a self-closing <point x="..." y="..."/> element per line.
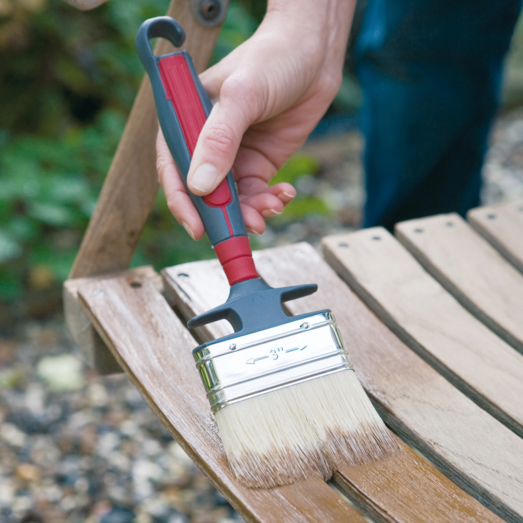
<point x="220" y="139"/>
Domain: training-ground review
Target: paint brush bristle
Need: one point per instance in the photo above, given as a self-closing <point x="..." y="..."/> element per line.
<point x="310" y="428"/>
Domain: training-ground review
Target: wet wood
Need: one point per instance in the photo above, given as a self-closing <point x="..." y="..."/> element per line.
<point x="471" y="269"/>
<point x="502" y="226"/>
<point x="131" y="185"/>
<point x="430" y="321"/>
<point x="154" y="348"/>
<point x="92" y="347"/>
<point x="404" y="488"/>
<point x="407" y="488"/>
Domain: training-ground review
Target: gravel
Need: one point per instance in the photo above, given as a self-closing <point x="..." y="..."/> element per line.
<point x="75" y="447"/>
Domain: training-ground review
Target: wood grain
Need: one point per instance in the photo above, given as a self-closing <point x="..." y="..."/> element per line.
<point x="502" y="226"/>
<point x="431" y="322"/>
<point x="131" y="185"/>
<point x="471" y="269"/>
<point x="407" y="488"/>
<point x="404" y="488"/>
<point x="91" y="346"/>
<point x="154" y="348"/>
<point x="423" y="408"/>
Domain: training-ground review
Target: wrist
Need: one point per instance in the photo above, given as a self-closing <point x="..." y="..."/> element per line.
<point x="320" y="27"/>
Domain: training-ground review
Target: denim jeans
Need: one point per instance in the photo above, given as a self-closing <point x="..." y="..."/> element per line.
<point x="431" y="73"/>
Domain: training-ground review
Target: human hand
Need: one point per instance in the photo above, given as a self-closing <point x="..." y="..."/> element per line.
<point x="272" y="91"/>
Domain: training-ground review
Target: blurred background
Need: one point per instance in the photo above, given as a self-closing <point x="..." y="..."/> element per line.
<point x="73" y="446"/>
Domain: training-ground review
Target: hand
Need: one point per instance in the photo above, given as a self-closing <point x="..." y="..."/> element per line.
<point x="272" y="91"/>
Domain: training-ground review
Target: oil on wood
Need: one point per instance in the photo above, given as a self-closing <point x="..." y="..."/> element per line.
<point x="472" y="448"/>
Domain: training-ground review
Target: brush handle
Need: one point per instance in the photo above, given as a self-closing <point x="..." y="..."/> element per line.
<point x="183" y="107"/>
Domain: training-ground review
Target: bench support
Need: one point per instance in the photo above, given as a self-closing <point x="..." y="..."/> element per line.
<point x="129" y="191"/>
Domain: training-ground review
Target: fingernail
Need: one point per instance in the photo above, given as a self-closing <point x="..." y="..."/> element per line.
<point x="267" y="213"/>
<point x="185" y="225"/>
<point x="286" y="196"/>
<point x="204" y="178"/>
<point x="252" y="231"/>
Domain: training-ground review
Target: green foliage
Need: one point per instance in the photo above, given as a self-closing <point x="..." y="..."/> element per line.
<point x="48" y="190"/>
<point x="67" y="80"/>
<point x="297" y="168"/>
<point x="238" y="27"/>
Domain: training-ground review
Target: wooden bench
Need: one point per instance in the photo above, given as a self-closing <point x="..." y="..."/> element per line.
<point x="432" y="319"/>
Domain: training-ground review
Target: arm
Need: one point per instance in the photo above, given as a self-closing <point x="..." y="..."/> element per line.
<point x="272" y="91"/>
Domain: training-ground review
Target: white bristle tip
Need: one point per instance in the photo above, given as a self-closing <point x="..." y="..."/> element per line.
<point x="311" y="428"/>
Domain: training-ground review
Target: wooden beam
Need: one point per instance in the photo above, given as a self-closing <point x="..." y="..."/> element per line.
<point x="130" y="188"/>
<point x="131" y="185"/>
<point x="432" y="323"/>
<point x="92" y="347"/>
<point x="472" y="448"/>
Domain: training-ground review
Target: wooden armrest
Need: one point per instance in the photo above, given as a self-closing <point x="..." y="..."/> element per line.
<point x="92" y="347"/>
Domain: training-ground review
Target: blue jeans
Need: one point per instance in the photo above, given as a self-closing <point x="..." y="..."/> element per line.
<point x="431" y="74"/>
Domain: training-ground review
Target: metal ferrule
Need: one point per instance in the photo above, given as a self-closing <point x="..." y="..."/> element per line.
<point x="247" y="366"/>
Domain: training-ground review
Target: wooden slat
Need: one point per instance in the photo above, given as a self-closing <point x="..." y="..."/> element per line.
<point x="407" y="488"/>
<point x="154" y="348"/>
<point x="131" y="185"/>
<point x="91" y="346"/>
<point x="404" y="488"/>
<point x="471" y="269"/>
<point x="502" y="226"/>
<point x="429" y="320"/>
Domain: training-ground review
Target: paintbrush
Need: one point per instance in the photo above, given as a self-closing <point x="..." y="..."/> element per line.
<point x="285" y="396"/>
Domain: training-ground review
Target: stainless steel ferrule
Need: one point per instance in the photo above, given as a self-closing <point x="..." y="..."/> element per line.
<point x="240" y="368"/>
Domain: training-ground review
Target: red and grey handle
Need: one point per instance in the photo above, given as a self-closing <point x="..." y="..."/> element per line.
<point x="183" y="106"/>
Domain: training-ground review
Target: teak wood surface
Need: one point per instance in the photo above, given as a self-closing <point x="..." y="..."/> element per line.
<point x="131" y="185"/>
<point x="92" y="347"/>
<point x="154" y="347"/>
<point x="403" y="488"/>
<point x="502" y="226"/>
<point x="471" y="269"/>
<point x="431" y="322"/>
